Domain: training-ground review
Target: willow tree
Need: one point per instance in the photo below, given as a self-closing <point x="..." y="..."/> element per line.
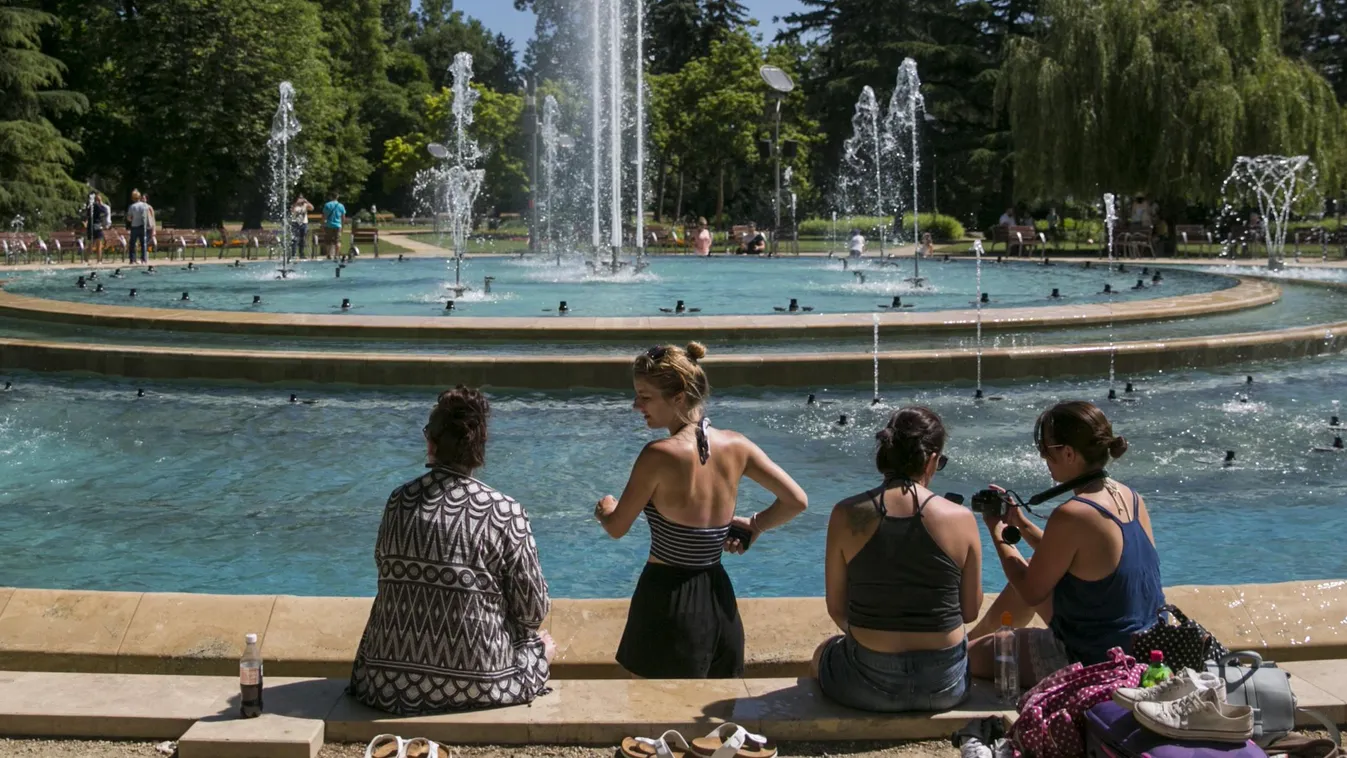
<point x="1161" y="96"/>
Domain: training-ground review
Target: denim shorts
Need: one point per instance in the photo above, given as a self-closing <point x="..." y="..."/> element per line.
<point x="925" y="680"/>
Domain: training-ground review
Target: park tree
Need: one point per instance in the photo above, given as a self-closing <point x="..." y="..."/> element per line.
<point x="1316" y="30"/>
<point x="204" y="77"/>
<point x="35" y="158"/>
<point x="1160" y="97"/>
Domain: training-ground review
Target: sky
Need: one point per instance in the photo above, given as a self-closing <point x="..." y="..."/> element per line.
<point x="500" y="16"/>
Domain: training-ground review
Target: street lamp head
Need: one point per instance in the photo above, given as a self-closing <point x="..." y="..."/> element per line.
<point x="777" y="79"/>
<point x="438" y="150"/>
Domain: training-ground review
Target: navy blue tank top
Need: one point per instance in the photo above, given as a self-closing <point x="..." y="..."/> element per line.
<point x="1092" y="617"/>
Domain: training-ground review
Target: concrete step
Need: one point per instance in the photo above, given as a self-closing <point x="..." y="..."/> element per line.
<point x="172" y="633"/>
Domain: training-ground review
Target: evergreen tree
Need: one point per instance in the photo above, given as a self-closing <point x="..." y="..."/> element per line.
<point x="1316" y="31"/>
<point x="671" y="26"/>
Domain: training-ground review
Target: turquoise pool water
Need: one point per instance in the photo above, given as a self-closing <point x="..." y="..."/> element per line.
<point x="717" y="286"/>
<point x="234" y="490"/>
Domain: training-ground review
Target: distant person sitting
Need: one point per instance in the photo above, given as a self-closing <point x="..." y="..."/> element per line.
<point x="702" y="242"/>
<point x="1007" y="218"/>
<point x="333" y="213"/>
<point x="455" y="624"/>
<point x="857" y="247"/>
<point x="927" y="247"/>
<point x="756" y="244"/>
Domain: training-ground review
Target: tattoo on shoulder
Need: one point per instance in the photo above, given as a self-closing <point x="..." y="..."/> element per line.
<point x="861" y="518"/>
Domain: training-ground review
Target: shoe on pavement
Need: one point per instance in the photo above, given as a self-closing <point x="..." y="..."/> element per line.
<point x="1202" y="715"/>
<point x="1182" y="684"/>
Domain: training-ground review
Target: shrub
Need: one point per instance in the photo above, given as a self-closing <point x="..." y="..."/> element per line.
<point x="942" y="228"/>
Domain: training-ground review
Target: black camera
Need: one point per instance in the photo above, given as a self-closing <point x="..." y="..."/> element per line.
<point x="992" y="502"/>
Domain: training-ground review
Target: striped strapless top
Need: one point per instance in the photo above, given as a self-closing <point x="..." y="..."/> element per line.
<point x="686" y="546"/>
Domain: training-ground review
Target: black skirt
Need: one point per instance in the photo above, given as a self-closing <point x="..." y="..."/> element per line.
<point x="683" y="624"/>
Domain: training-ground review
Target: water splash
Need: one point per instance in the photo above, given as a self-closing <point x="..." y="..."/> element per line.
<point x="1110" y="221"/>
<point x="1275" y="183"/>
<point x="286" y="168"/>
<point x="906" y="110"/>
<point x="876" y="354"/>
<point x="977" y="253"/>
<point x="869" y="155"/>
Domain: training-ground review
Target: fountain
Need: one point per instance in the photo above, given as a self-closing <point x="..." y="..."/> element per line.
<point x="869" y="153"/>
<point x="1276" y="183"/>
<point x="977" y="254"/>
<point x="1110" y="221"/>
<point x="876" y="354"/>
<point x="906" y="108"/>
<point x="552" y="138"/>
<point x="286" y="168"/>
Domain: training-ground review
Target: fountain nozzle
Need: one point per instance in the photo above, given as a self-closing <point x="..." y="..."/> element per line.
<point x="449" y="305"/>
<point x="1128" y="389"/>
<point x="1056" y="293"/>
<point x="977" y="395"/>
<point x="842" y="420"/>
<point x="1335" y="421"/>
<point x="1112" y="394"/>
<point x="346" y="303"/>
<point x="1229" y="458"/>
<point x="257" y="299"/>
<point x="812" y="400"/>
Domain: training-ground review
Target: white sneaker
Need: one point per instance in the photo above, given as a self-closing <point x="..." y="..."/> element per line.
<point x="1202" y="715"/>
<point x="1182" y="684"/>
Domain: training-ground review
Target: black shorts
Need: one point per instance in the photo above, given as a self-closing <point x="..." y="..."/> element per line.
<point x="683" y="624"/>
<point x="95" y="234"/>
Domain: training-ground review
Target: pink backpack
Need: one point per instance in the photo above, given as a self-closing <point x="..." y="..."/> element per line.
<point x="1052" y="714"/>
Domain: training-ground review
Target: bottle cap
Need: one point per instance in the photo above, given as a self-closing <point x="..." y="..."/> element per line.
<point x="1006" y="619"/>
<point x="250" y="639"/>
<point x="1157" y="656"/>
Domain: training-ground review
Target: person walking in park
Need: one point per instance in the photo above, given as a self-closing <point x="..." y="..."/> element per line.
<point x="135" y="219"/>
<point x="333" y="213"/>
<point x="151" y="241"/>
<point x="702" y="242"/>
<point x="299" y="225"/>
<point x="100" y="218"/>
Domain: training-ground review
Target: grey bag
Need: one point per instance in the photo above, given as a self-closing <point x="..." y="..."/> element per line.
<point x="1263" y="687"/>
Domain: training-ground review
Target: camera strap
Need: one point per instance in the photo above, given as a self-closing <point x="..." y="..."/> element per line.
<point x="1065" y="487"/>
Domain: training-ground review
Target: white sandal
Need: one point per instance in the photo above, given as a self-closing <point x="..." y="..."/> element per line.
<point x="671" y="744"/>
<point x="733" y="741"/>
<point x="420" y="747"/>
<point x="378" y="747"/>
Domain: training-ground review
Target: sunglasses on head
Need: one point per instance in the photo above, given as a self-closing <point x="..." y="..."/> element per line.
<point x="656" y="353"/>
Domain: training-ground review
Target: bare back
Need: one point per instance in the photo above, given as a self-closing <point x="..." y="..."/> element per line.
<point x="690" y="493"/>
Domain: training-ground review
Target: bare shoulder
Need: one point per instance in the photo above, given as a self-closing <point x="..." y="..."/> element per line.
<point x="857" y="513"/>
<point x="945" y="509"/>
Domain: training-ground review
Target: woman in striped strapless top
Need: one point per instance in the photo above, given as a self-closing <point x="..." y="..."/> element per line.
<point x="684" y="621"/>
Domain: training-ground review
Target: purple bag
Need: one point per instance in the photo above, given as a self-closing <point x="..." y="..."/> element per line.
<point x="1111" y="731"/>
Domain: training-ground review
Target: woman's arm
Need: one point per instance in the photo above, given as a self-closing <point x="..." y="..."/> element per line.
<point x="970" y="582"/>
<point x="835" y="567"/>
<point x="522" y="582"/>
<point x="790" y="498"/>
<point x="617" y="516"/>
<point x="1035" y="579"/>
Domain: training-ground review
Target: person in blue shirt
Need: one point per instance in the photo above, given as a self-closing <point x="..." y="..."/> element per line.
<point x="333" y="213"/>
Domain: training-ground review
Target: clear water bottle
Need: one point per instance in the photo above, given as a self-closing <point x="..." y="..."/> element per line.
<point x="250" y="679"/>
<point x="1007" y="663"/>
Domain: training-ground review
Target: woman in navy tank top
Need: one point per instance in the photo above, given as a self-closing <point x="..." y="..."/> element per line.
<point x="1094" y="578"/>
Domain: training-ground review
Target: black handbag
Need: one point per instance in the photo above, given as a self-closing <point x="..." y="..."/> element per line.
<point x="1185" y="643"/>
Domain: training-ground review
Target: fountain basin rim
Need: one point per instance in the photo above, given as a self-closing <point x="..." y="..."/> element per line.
<point x="1248" y="292"/>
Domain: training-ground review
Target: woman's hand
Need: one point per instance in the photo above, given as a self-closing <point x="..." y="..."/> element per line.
<point x="733" y="545"/>
<point x="605" y="507"/>
<point x="1015" y="517"/>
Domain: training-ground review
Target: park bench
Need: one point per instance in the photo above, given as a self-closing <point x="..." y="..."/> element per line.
<point x="1135" y="240"/>
<point x="1193" y="234"/>
<point x="59" y="243"/>
<point x="366" y="236"/>
<point x="15" y="244"/>
<point x="1017" y="239"/>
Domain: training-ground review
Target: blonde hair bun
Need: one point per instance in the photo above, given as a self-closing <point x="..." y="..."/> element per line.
<point x="695" y="350"/>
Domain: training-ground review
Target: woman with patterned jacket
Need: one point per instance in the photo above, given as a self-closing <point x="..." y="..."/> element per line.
<point x="455" y="625"/>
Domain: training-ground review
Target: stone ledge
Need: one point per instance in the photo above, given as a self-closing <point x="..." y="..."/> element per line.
<point x="100" y="706"/>
<point x="1248" y="292"/>
<point x="144" y="633"/>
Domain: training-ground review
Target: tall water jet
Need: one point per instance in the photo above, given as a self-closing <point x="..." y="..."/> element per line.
<point x="640" y="127"/>
<point x="551" y="134"/>
<point x="1110" y="221"/>
<point x="286" y="168"/>
<point x="977" y="254"/>
<point x="462" y="181"/>
<point x="868" y="153"/>
<point x="1276" y="183"/>
<point x="907" y="108"/>
<point x="596" y="115"/>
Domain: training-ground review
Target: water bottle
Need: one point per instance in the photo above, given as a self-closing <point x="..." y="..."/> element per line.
<point x="1158" y="672"/>
<point x="1007" y="663"/>
<point x="250" y="679"/>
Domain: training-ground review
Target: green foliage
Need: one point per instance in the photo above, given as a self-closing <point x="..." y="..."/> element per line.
<point x="34" y="157"/>
<point x="941" y="228"/>
<point x="1160" y="97"/>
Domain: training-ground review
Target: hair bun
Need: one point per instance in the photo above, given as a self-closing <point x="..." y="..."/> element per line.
<point x="695" y="350"/>
<point x="1117" y="446"/>
<point x="885" y="436"/>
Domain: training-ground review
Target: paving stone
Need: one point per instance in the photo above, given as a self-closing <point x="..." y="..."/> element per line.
<point x="179" y="633"/>
<point x="64" y="630"/>
<point x="108" y="706"/>
<point x="267" y="736"/>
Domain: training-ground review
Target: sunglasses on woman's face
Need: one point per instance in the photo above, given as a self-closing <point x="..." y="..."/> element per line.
<point x="941" y="462"/>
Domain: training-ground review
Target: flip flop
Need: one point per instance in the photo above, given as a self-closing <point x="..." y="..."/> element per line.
<point x="671" y="744"/>
<point x="420" y="747"/>
<point x="733" y="741"/>
<point x="386" y="746"/>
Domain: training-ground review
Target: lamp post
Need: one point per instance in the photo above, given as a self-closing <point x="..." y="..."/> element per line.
<point x="781" y="85"/>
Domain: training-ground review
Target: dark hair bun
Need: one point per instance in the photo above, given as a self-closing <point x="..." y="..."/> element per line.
<point x="695" y="350"/>
<point x="1117" y="446"/>
<point x="885" y="437"/>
